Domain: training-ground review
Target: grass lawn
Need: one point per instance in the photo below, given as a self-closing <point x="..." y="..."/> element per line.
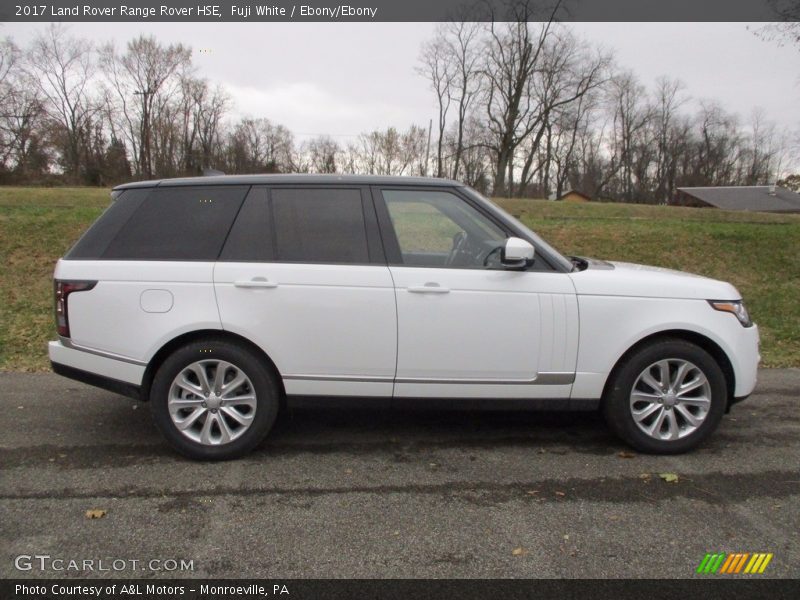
<point x="756" y="252"/>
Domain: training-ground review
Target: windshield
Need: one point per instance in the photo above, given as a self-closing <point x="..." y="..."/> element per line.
<point x="538" y="242"/>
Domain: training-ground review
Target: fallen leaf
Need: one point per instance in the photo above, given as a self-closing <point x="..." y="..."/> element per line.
<point x="624" y="454"/>
<point x="95" y="513"/>
<point x="519" y="551"/>
<point x="669" y="477"/>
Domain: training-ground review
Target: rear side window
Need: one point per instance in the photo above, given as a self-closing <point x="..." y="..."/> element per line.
<point x="94" y="242"/>
<point x="178" y="223"/>
<point x="319" y="225"/>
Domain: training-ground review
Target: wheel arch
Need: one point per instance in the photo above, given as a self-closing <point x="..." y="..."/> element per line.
<point x="698" y="339"/>
<point x="205" y="334"/>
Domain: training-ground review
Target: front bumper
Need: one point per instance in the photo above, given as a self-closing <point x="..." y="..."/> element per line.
<point x="745" y="357"/>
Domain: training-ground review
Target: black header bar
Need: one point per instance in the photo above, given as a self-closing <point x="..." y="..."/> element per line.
<point x="218" y="11"/>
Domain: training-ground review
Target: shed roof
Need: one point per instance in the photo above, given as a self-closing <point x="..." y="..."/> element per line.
<point x="746" y="197"/>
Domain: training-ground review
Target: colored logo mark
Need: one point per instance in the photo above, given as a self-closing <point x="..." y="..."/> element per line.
<point x="734" y="563"/>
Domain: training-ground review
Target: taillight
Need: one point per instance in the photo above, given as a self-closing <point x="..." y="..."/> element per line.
<point x="62" y="290"/>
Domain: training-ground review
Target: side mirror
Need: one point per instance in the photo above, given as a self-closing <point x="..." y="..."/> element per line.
<point x="517" y="253"/>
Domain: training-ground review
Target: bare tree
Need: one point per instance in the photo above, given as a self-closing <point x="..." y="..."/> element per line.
<point x="22" y="145"/>
<point x="437" y="67"/>
<point x="784" y="27"/>
<point x="718" y="148"/>
<point x="631" y="115"/>
<point x="143" y="79"/>
<point x="512" y="55"/>
<point x="62" y="69"/>
<point x="321" y="152"/>
<point x="391" y="152"/>
<point x="463" y="42"/>
<point x="668" y="100"/>
<point x="259" y="146"/>
<point x="569" y="70"/>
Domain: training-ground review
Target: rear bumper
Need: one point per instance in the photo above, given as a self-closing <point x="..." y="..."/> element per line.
<point x="99" y="381"/>
<point x="115" y="374"/>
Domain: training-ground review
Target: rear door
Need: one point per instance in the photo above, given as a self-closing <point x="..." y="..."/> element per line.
<point x="303" y="275"/>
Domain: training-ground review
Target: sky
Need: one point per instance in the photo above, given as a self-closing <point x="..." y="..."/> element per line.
<point x="341" y="79"/>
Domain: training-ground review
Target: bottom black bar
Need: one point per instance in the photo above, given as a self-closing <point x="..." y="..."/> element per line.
<point x="713" y="586"/>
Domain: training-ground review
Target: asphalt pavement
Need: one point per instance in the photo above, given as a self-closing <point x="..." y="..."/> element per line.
<point x="347" y="493"/>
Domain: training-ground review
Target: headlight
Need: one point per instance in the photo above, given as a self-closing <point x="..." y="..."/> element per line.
<point x="735" y="307"/>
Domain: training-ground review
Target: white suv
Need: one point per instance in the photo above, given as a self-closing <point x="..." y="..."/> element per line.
<point x="216" y="298"/>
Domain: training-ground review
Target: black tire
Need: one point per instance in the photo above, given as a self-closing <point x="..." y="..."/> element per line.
<point x="617" y="400"/>
<point x="263" y="381"/>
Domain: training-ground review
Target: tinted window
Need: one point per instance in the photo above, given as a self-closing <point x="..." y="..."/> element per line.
<point x="179" y="223"/>
<point x="319" y="225"/>
<point x="250" y="238"/>
<point x="94" y="242"/>
<point x="440" y="229"/>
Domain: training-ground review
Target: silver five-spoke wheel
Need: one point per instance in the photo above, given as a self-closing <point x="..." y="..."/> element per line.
<point x="212" y="402"/>
<point x="670" y="399"/>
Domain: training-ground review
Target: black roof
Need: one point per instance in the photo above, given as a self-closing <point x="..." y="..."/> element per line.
<point x="747" y="197"/>
<point x="294" y="179"/>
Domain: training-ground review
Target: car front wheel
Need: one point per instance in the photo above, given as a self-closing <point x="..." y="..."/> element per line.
<point x="666" y="398"/>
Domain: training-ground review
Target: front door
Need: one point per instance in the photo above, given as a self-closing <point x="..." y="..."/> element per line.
<point x="466" y="326"/>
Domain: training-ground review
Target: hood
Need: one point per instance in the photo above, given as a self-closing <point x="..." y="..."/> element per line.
<point x="627" y="279"/>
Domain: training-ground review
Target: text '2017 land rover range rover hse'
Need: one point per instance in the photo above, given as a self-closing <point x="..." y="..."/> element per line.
<point x="215" y="298"/>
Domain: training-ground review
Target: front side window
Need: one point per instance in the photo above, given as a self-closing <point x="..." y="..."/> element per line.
<point x="439" y="229"/>
<point x="319" y="225"/>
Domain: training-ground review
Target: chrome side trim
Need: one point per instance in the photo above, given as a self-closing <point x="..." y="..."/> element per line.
<point x="354" y="378"/>
<point x="541" y="379"/>
<point x="68" y="343"/>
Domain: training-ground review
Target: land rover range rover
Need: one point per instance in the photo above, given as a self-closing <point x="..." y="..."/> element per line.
<point x="215" y="298"/>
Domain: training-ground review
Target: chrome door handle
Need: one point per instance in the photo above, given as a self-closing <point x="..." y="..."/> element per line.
<point x="428" y="288"/>
<point x="256" y="282"/>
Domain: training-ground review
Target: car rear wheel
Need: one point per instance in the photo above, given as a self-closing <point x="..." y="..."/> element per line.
<point x="666" y="398"/>
<point x="214" y="400"/>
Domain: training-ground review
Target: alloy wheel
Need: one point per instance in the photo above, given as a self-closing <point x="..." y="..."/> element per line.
<point x="212" y="402"/>
<point x="670" y="399"/>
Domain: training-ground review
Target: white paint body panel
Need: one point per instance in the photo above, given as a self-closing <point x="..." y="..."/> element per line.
<point x="477" y="327"/>
<point x="380" y="331"/>
<point x="620" y="307"/>
<point x="110" y="318"/>
<point x="93" y="363"/>
<point x="319" y="321"/>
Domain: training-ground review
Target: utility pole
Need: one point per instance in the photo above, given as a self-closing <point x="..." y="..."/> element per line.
<point x="428" y="151"/>
<point x="144" y="148"/>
